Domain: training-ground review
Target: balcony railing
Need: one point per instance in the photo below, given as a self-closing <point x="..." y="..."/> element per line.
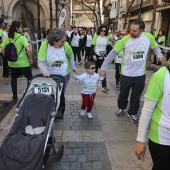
<point x="144" y="4"/>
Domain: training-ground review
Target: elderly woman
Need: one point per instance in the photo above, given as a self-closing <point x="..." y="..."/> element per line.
<point x="56" y="57"/>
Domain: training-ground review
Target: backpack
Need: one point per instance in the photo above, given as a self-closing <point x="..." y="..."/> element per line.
<point x="11" y="51"/>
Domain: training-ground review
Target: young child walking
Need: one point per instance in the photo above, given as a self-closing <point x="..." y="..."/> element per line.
<point x="89" y="81"/>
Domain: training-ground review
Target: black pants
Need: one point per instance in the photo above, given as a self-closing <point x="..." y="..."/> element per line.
<point x="117" y="75"/>
<point x="160" y="155"/>
<point x="76" y="51"/>
<point x="87" y="53"/>
<point x="98" y="65"/>
<point x="5" y="66"/>
<point x="137" y="85"/>
<point x="14" y="74"/>
<point x="61" y="108"/>
<point x="168" y="55"/>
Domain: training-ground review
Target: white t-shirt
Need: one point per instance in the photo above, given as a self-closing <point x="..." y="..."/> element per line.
<point x="159" y="91"/>
<point x="75" y="40"/>
<point x="89" y="39"/>
<point x="69" y="33"/>
<point x="89" y="82"/>
<point x="135" y="53"/>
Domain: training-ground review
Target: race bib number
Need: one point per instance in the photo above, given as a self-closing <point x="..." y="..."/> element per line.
<point x="138" y="56"/>
<point x="43" y="88"/>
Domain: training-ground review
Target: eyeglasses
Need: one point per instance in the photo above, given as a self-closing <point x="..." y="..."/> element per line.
<point x="102" y="30"/>
<point x="92" y="68"/>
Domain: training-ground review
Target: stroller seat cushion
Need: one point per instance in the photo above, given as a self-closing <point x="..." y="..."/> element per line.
<point x="36" y="131"/>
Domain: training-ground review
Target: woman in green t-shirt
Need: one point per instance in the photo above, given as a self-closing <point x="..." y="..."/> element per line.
<point x="56" y="57"/>
<point x="24" y="58"/>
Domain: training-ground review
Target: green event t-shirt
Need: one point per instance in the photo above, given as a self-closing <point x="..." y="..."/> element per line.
<point x="43" y="53"/>
<point x="159" y="91"/>
<point x="20" y="43"/>
<point x="135" y="53"/>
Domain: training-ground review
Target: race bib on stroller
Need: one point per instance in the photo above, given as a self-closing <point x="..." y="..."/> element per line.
<point x="43" y="88"/>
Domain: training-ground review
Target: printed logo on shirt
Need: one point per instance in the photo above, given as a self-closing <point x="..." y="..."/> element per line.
<point x="57" y="64"/>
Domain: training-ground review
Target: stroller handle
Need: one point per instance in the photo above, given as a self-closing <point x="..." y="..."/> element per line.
<point x="55" y="77"/>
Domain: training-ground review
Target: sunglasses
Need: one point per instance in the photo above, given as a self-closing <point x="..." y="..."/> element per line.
<point x="63" y="41"/>
<point x="122" y="34"/>
<point x="92" y="68"/>
<point x="102" y="30"/>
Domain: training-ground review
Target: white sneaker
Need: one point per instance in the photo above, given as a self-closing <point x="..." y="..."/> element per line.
<point x="89" y="115"/>
<point x="82" y="112"/>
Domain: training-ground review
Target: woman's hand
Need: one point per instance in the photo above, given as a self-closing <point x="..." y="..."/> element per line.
<point x="140" y="149"/>
<point x="46" y="74"/>
<point x="94" y="58"/>
<point x="75" y="71"/>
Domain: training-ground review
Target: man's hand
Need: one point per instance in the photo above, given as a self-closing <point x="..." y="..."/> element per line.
<point x="160" y="58"/>
<point x="140" y="149"/>
<point x="30" y="61"/>
<point x="101" y="73"/>
<point x="46" y="74"/>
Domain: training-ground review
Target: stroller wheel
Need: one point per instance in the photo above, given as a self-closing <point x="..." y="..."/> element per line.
<point x="60" y="151"/>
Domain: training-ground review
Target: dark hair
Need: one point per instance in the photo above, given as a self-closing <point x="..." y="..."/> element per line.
<point x="163" y="31"/>
<point x="88" y="29"/>
<point x="15" y="24"/>
<point x="140" y="23"/>
<point x="100" y="28"/>
<point x="88" y="64"/>
<point x="71" y="26"/>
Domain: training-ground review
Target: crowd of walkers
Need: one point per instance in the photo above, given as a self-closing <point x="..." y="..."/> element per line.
<point x="62" y="49"/>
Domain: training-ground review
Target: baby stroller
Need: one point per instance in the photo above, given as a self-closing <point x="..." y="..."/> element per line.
<point x="31" y="136"/>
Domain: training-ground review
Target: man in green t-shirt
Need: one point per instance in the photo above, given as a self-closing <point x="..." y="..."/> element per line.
<point x="135" y="47"/>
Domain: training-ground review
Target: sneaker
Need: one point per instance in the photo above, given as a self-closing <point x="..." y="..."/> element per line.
<point x="117" y="87"/>
<point x="82" y="112"/>
<point x="133" y="118"/>
<point x="120" y="112"/>
<point x="105" y="89"/>
<point x="89" y="115"/>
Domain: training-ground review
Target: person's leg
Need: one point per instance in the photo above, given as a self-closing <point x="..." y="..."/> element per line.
<point x="104" y="83"/>
<point x="125" y="86"/>
<point x="88" y="53"/>
<point x="91" y="102"/>
<point x="27" y="72"/>
<point x="5" y="67"/>
<point x="137" y="89"/>
<point x="14" y="73"/>
<point x="85" y="101"/>
<point x="160" y="156"/>
<point x="74" y="52"/>
<point x="117" y="74"/>
<point x="78" y="54"/>
<point x="61" y="108"/>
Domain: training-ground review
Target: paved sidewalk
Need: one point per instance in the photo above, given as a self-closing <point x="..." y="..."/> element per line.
<point x="104" y="143"/>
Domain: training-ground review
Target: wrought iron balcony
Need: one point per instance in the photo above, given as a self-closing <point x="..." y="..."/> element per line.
<point x="145" y="4"/>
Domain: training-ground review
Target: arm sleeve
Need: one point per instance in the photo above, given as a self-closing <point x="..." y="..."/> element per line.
<point x="109" y="59"/>
<point x="78" y="78"/>
<point x="72" y="65"/>
<point x="42" y="66"/>
<point x="157" y="51"/>
<point x="145" y="117"/>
